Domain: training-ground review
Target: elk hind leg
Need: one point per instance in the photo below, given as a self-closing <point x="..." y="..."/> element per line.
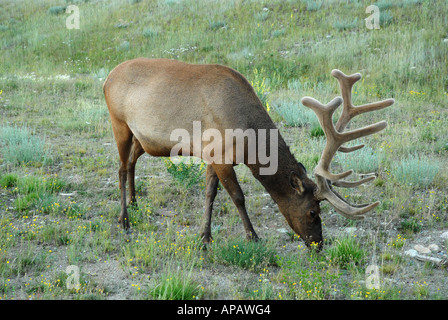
<point x="123" y="137"/>
<point x="211" y="190"/>
<point x="135" y="153"/>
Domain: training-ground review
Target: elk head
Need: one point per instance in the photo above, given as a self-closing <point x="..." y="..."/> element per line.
<point x="309" y="227"/>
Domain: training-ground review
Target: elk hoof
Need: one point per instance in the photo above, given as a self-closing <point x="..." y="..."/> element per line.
<point x="252" y="237"/>
<point x="124" y="223"/>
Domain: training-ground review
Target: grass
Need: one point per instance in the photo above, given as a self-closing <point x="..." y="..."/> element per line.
<point x="59" y="195"/>
<point x="416" y="171"/>
<point x="185" y="171"/>
<point x="245" y="254"/>
<point x="365" y="160"/>
<point x="176" y="286"/>
<point x="347" y="252"/>
<point x="294" y="114"/>
<point x="20" y="146"/>
<point x="34" y="192"/>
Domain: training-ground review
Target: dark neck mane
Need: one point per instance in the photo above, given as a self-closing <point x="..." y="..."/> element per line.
<point x="278" y="184"/>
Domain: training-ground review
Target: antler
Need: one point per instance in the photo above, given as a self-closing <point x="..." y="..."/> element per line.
<point x="336" y="138"/>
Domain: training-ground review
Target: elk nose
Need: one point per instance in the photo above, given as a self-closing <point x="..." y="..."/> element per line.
<point x="314" y="245"/>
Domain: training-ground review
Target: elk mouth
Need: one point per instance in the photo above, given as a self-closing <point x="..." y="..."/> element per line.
<point x="314" y="243"/>
<point x="312" y="235"/>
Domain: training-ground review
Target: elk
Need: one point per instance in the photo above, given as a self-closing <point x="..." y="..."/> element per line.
<point x="149" y="98"/>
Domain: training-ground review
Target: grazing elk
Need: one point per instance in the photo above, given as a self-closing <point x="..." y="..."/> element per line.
<point x="149" y="98"/>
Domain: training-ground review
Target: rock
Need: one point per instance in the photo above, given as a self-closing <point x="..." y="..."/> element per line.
<point x="433" y="247"/>
<point x="282" y="230"/>
<point x="444" y="235"/>
<point x="421" y="249"/>
<point x="411" y="253"/>
<point x="350" y="230"/>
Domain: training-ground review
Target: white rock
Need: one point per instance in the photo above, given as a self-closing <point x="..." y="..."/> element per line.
<point x="444" y="235"/>
<point x="350" y="230"/>
<point x="282" y="230"/>
<point x="411" y="252"/>
<point x="433" y="247"/>
<point x="422" y="249"/>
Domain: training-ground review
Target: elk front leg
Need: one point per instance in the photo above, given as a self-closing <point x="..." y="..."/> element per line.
<point x="211" y="189"/>
<point x="228" y="179"/>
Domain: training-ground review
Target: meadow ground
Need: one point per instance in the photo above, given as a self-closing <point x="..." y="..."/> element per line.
<point x="59" y="196"/>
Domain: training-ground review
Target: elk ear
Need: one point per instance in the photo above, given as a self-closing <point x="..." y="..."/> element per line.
<point x="296" y="183"/>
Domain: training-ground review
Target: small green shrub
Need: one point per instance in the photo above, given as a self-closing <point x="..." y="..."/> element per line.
<point x="294" y="113"/>
<point x="383" y="4"/>
<point x="418" y="172"/>
<point x="313" y="5"/>
<point x="37" y="192"/>
<point x="364" y="160"/>
<point x="278" y="33"/>
<point x="346" y="252"/>
<point x="187" y="172"/>
<point x="28" y="258"/>
<point x="411" y="226"/>
<point x="244" y="254"/>
<point x="57" y="10"/>
<point x="345" y="25"/>
<point x="176" y="286"/>
<point x="429" y="130"/>
<point x="28" y="184"/>
<point x="20" y="146"/>
<point x="9" y="180"/>
<point x="385" y="18"/>
<point x="149" y="33"/>
<point x="261" y="87"/>
<point x="316" y="130"/>
<point x="217" y="25"/>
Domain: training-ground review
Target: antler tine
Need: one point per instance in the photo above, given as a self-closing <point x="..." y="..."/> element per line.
<point x="349" y="110"/>
<point x="351" y="211"/>
<point x="352" y="184"/>
<point x="325" y="115"/>
<point x="355" y="212"/>
<point x="334" y="138"/>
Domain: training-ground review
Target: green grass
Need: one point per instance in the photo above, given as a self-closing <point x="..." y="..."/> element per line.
<point x="9" y="180"/>
<point x="294" y="114"/>
<point x="35" y="192"/>
<point x="244" y="254"/>
<point x="347" y="253"/>
<point x="20" y="146"/>
<point x="365" y="160"/>
<point x="418" y="172"/>
<point x="59" y="195"/>
<point x="176" y="286"/>
<point x="187" y="172"/>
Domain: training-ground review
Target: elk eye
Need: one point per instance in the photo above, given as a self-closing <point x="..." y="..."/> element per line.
<point x="312" y="213"/>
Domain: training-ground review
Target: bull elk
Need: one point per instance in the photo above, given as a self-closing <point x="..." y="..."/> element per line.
<point x="149" y="98"/>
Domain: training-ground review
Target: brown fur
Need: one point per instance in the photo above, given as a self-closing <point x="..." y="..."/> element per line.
<point x="149" y="98"/>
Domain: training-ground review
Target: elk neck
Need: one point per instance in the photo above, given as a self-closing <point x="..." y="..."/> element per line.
<point x="278" y="184"/>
